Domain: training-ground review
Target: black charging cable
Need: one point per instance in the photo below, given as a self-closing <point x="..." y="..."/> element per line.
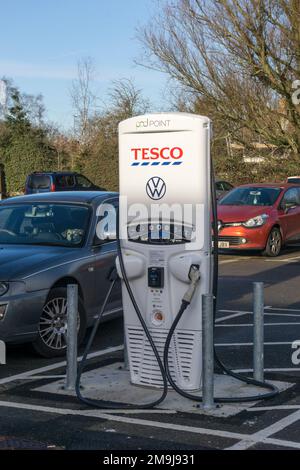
<point x="164" y="366"/>
<point x="102" y="404"/>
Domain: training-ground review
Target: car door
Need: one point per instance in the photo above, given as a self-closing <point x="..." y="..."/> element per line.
<point x="105" y="256"/>
<point x="289" y="214"/>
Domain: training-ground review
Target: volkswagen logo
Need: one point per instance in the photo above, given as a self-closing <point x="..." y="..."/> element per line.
<point x="156" y="188"/>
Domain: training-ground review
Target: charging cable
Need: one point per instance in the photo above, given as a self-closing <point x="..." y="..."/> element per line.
<point x="113" y="277"/>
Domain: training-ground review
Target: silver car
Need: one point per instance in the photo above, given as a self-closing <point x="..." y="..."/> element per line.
<point x="46" y="242"/>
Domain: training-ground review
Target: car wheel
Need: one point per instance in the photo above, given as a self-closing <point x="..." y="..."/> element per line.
<point x="274" y="243"/>
<point x="52" y="335"/>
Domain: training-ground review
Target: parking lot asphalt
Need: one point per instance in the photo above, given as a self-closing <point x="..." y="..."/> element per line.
<point x="272" y="424"/>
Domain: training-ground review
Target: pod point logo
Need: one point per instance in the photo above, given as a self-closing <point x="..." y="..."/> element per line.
<point x="156" y="188"/>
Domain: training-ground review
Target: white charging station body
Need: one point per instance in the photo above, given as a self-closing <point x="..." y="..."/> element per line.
<point x="164" y="159"/>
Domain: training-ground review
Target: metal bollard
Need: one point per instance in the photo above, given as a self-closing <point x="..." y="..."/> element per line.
<point x="258" y="331"/>
<point x="72" y="312"/>
<point x="207" y="352"/>
<point x="2" y="353"/>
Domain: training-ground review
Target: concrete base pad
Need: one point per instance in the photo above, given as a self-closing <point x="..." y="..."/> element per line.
<point x="111" y="383"/>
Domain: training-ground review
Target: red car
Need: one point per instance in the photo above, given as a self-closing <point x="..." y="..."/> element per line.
<point x="260" y="217"/>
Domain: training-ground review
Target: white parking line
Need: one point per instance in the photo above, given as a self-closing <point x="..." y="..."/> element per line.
<point x="262" y="435"/>
<point x="127" y="420"/>
<point x="271" y="369"/>
<point x="232" y="325"/>
<point x="228" y="317"/>
<point x="245" y="440"/>
<point x="275" y="343"/>
<point x="282" y="443"/>
<point x="283" y="260"/>
<point x="40" y="370"/>
<point x="249" y="312"/>
<point x="267" y="307"/>
<point x="232" y="260"/>
<point x="274" y="408"/>
<point x="283" y="309"/>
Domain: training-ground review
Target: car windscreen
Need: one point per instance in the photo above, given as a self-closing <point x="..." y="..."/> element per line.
<point x="39" y="182"/>
<point x="44" y="224"/>
<point x="251" y="196"/>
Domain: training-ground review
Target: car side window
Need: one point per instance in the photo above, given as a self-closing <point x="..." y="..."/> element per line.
<point x="65" y="181"/>
<point x="227" y="186"/>
<point x="4" y="218"/>
<point x="292" y="196"/>
<point x="219" y="186"/>
<point x="83" y="182"/>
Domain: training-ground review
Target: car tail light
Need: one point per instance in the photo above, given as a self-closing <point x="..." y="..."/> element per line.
<point x="53" y="187"/>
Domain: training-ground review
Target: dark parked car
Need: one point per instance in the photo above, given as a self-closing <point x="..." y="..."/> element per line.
<point x="222" y="188"/>
<point x="44" y="182"/>
<point x="46" y="242"/>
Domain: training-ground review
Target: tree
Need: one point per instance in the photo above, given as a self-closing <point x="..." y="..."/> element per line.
<point x="100" y="159"/>
<point x="83" y="98"/>
<point x="31" y="106"/>
<point x="24" y="147"/>
<point x="241" y="57"/>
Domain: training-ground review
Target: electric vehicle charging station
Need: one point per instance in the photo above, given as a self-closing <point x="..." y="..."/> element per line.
<point x="167" y="267"/>
<point x="165" y="229"/>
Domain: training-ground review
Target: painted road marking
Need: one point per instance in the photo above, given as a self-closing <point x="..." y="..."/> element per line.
<point x="261" y="435"/>
<point x="275" y="343"/>
<point x="274" y="408"/>
<point x="233" y="260"/>
<point x="246" y="440"/>
<point x="231" y="325"/>
<point x="284" y="260"/>
<point x="281" y="442"/>
<point x="249" y="312"/>
<point x="283" y="309"/>
<point x="272" y="369"/>
<point x="40" y="370"/>
<point x="127" y="420"/>
<point x="228" y="317"/>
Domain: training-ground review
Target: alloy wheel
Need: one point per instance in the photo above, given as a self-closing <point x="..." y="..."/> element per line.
<point x="53" y="323"/>
<point x="275" y="242"/>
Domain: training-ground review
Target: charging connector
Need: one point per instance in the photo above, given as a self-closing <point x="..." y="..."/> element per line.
<point x="194" y="276"/>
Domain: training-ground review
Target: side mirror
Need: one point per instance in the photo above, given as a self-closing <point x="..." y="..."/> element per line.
<point x="287" y="206"/>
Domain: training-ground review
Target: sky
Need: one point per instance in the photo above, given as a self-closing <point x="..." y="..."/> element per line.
<point x="41" y="42"/>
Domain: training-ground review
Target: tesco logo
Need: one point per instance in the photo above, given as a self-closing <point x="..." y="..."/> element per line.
<point x="165" y="153"/>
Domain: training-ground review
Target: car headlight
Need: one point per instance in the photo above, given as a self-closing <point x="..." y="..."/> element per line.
<point x="257" y="221"/>
<point x="3" y="288"/>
